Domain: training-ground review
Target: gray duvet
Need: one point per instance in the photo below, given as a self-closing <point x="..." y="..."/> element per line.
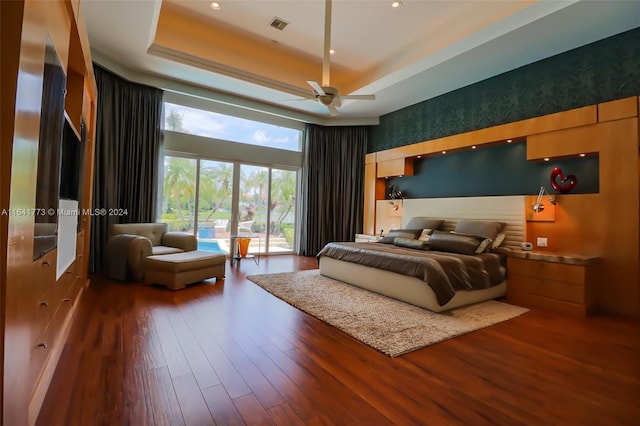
<point x="444" y="272"/>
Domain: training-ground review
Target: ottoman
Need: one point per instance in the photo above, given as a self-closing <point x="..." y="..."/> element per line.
<point x="176" y="270"/>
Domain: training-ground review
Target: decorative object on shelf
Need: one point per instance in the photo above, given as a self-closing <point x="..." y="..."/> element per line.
<point x="539" y="210"/>
<point x="395" y="193"/>
<point x="566" y="184"/>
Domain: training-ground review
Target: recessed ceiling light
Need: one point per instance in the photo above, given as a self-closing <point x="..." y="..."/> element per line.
<point x="396" y="4"/>
<point x="332" y="52"/>
<point x="509" y="140"/>
<point x="419" y="156"/>
<point x="215" y="5"/>
<point x="546" y="159"/>
<point x="473" y="147"/>
<point x="444" y="152"/>
<point x="582" y="155"/>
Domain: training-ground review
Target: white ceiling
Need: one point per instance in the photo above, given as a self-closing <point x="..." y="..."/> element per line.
<point x="406" y="55"/>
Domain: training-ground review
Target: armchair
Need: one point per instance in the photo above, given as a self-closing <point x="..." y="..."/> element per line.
<point x="130" y="243"/>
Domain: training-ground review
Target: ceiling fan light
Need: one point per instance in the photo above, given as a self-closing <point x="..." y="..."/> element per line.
<point x="326" y="99"/>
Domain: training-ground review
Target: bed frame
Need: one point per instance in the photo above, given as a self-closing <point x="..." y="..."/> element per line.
<point x="509" y="209"/>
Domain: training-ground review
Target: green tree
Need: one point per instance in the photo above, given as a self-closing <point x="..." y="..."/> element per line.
<point x="258" y="180"/>
<point x="283" y="192"/>
<point x="215" y="186"/>
<point x="179" y="188"/>
<point x="173" y="121"/>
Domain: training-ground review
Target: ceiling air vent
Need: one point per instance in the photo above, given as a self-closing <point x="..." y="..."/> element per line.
<point x="278" y="23"/>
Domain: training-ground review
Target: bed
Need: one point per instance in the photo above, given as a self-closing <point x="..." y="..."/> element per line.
<point x="388" y="281"/>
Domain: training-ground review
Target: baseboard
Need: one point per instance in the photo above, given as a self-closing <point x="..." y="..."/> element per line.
<point x="44" y="380"/>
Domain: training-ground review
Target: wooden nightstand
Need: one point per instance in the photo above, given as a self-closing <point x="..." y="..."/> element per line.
<point x="366" y="238"/>
<point x="558" y="282"/>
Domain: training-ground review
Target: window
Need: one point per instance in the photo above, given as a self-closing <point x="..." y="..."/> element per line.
<point x="216" y="185"/>
<point x="265" y="207"/>
<point x="199" y="122"/>
<point x="179" y="193"/>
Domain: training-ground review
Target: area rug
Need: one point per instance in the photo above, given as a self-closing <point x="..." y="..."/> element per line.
<point x="385" y="324"/>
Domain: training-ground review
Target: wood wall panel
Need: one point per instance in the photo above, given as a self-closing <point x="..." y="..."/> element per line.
<point x="10" y="35"/>
<point x="25" y="28"/>
<point x="619" y="109"/>
<point x="369" y="198"/>
<point x="86" y="49"/>
<point x="397" y="167"/>
<point x="605" y="224"/>
<point x="387" y="218"/>
<point x="59" y="27"/>
<point x="574" y="213"/>
<point x="20" y="228"/>
<point x="563" y="143"/>
<point x="516" y="130"/>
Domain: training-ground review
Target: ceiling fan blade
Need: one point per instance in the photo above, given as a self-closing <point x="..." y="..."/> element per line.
<point x="332" y="109"/>
<point x="360" y="97"/>
<point x="327" y="44"/>
<point x="298" y="99"/>
<point x="318" y="89"/>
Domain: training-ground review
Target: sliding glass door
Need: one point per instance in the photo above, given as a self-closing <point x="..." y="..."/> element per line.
<point x="179" y="193"/>
<point x="253" y="212"/>
<point x="282" y="210"/>
<point x="230" y="199"/>
<point x="215" y="188"/>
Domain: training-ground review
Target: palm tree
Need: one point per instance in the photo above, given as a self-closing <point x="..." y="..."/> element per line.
<point x="215" y="186"/>
<point x="174" y="121"/>
<point x="179" y="187"/>
<point x="283" y="191"/>
<point x="258" y="180"/>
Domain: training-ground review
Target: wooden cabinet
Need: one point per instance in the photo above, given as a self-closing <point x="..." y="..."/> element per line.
<point x="553" y="285"/>
<point x="46" y="39"/>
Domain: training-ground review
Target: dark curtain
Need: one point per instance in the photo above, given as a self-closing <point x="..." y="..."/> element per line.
<point x="128" y="146"/>
<point x="333" y="186"/>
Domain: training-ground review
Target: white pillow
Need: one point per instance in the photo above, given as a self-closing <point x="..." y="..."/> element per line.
<point x="482" y="247"/>
<point x="425" y="234"/>
<point x="498" y="240"/>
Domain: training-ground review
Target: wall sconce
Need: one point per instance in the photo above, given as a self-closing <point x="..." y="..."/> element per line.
<point x="539" y="205"/>
<point x="539" y="209"/>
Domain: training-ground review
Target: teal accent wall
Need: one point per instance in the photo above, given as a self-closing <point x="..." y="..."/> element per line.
<point x="606" y="70"/>
<point x="496" y="170"/>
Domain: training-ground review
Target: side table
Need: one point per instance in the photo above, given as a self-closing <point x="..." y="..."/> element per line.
<point x="556" y="281"/>
<point x="235" y="249"/>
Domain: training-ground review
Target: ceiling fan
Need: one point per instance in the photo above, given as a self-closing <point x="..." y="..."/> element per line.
<point x="325" y="93"/>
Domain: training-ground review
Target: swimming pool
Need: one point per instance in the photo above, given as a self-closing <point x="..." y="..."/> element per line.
<point x="210" y="246"/>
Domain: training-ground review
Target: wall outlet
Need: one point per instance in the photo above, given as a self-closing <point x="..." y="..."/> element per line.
<point x="541" y="242"/>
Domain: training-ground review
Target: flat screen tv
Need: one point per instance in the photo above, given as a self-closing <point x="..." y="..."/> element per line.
<point x="51" y="128"/>
<point x="71" y="162"/>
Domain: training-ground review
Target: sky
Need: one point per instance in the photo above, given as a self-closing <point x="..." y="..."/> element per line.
<point x="213" y="125"/>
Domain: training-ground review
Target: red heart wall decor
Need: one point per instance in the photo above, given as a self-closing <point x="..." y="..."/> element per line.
<point x="566" y="184"/>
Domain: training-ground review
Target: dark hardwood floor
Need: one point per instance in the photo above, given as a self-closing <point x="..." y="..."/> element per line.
<point x="229" y="353"/>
